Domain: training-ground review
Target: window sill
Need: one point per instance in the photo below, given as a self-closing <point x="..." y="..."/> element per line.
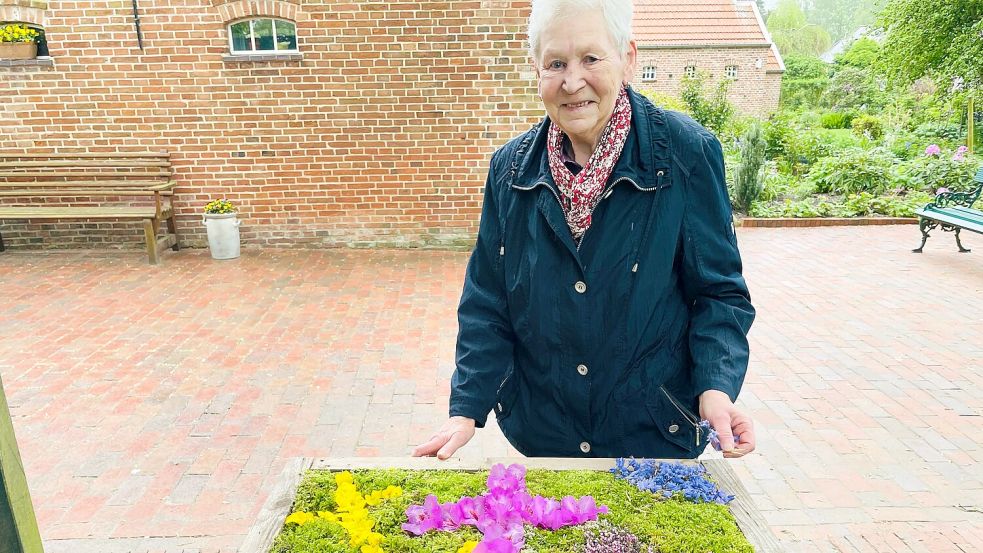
<point x="249" y="58"/>
<point x="45" y="61"/>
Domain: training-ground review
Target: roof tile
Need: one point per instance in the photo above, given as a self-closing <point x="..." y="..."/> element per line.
<point x="696" y="22"/>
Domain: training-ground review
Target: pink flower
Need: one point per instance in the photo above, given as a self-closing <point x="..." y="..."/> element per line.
<point x="501" y="513"/>
<point x="960" y="153"/>
<point x="933" y="150"/>
<point x="942" y="190"/>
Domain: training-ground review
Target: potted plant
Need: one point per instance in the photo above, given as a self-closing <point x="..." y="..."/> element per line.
<point x="222" y="227"/>
<point x="17" y="42"/>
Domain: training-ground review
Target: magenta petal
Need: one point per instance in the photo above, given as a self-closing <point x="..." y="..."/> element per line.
<point x="496" y="545"/>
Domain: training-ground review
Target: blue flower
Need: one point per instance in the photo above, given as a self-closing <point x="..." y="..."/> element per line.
<point x="669" y="480"/>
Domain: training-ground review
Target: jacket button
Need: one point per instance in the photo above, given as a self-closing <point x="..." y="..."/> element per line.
<point x="673" y="428"/>
<point x="585" y="447"/>
<point x="582" y="369"/>
<point x="580" y="287"/>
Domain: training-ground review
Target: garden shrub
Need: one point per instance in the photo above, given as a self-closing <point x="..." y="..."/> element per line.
<point x="779" y="130"/>
<point x="939" y="129"/>
<point x="748" y="176"/>
<point x="666" y="101"/>
<point x="835" y="140"/>
<point x="781" y="186"/>
<point x="891" y="205"/>
<point x="853" y="88"/>
<point x="710" y="110"/>
<point x="855" y="170"/>
<point x="835" y="120"/>
<point x="905" y="145"/>
<point x="736" y="127"/>
<point x="804" y="80"/>
<point x="930" y="173"/>
<point x="868" y="126"/>
<point x="809" y="119"/>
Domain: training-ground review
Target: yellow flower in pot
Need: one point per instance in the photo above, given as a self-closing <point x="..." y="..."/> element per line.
<point x="222" y="228"/>
<point x="17" y="42"/>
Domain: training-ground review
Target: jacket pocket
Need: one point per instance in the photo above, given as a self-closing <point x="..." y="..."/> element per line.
<point x="676" y="422"/>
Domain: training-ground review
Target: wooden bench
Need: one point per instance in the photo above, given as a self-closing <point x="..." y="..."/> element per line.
<point x="103" y="186"/>
<point x="953" y="211"/>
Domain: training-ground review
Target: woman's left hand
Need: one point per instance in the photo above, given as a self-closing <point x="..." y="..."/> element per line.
<point x="728" y="421"/>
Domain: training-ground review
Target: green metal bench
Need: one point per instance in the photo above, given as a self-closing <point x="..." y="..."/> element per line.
<point x="952" y="211"/>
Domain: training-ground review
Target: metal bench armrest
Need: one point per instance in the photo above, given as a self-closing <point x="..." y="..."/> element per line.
<point x="964" y="199"/>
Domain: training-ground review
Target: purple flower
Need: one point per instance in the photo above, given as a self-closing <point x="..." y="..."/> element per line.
<point x="942" y="190"/>
<point x="960" y="153"/>
<point x="500" y="513"/>
<point x="933" y="150"/>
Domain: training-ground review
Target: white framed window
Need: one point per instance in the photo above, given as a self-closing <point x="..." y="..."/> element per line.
<point x="648" y="73"/>
<point x="690" y="71"/>
<point x="730" y="72"/>
<point x="262" y="35"/>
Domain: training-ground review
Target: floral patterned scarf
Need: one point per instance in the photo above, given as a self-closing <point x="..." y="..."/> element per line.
<point x="580" y="193"/>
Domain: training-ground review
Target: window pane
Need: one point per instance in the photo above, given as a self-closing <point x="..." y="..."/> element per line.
<point x="240" y="37"/>
<point x="286" y="36"/>
<point x="263" y="29"/>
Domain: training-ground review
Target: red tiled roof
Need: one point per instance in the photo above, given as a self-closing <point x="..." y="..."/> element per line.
<point x="696" y="22"/>
<point x="701" y="23"/>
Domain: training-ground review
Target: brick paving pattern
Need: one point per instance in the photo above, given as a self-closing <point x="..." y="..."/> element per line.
<point x="155" y="407"/>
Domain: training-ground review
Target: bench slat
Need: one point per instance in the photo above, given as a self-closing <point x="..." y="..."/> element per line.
<point x="84" y="155"/>
<point x="72" y="193"/>
<point x="125" y="184"/>
<point x="77" y="212"/>
<point x="80" y="163"/>
<point x="86" y="174"/>
<point x="971" y="221"/>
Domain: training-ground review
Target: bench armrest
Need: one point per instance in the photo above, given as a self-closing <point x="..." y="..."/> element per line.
<point x="964" y="199"/>
<point x="162" y="187"/>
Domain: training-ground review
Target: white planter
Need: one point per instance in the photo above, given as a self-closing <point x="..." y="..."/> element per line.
<point x="223" y="234"/>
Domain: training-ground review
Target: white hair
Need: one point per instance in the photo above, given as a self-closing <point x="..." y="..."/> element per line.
<point x="617" y="18"/>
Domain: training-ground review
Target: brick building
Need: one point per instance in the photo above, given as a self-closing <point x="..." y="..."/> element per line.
<point x="725" y="39"/>
<point x="355" y="122"/>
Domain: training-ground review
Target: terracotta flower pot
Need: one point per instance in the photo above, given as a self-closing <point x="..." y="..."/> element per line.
<point x="18" y="50"/>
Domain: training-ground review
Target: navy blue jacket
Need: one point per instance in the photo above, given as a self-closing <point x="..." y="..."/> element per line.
<point x="603" y="350"/>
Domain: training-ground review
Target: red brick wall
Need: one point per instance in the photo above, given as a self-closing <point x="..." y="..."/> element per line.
<point x="380" y="135"/>
<point x="755" y="92"/>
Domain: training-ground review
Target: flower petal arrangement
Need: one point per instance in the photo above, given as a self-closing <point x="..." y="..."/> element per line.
<point x="221" y="206"/>
<point x="671" y="479"/>
<point x="17" y="32"/>
<point x="510" y="509"/>
<point x="501" y="513"/>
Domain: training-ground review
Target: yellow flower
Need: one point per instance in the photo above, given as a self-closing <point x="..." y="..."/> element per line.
<point x="468" y="547"/>
<point x="299" y="518"/>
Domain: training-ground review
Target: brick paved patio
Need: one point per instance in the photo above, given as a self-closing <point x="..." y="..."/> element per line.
<point x="156" y="406"/>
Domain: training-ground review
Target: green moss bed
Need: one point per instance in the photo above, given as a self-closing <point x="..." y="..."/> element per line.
<point x="671" y="526"/>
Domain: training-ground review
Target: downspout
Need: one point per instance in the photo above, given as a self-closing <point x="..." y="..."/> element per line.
<point x="136" y="23"/>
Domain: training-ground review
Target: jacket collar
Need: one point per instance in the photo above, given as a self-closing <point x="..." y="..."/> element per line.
<point x="647" y="151"/>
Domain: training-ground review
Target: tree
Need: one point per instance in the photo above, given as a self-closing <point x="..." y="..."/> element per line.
<point x="942" y="39"/>
<point x="804" y="80"/>
<point x="761" y="7"/>
<point x="840" y="18"/>
<point x="793" y="34"/>
<point x="937" y="38"/>
<point x="862" y="53"/>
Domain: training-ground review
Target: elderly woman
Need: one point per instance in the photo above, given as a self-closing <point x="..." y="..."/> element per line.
<point x="604" y="312"/>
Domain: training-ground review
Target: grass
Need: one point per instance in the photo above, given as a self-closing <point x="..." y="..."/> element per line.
<point x="674" y="526"/>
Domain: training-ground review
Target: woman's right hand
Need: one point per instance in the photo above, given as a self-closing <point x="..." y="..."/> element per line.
<point x="456" y="432"/>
